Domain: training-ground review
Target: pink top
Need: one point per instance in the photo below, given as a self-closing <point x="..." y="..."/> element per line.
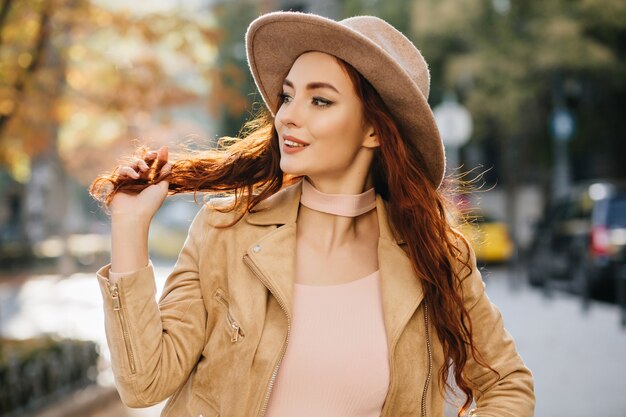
<point x="336" y="362"/>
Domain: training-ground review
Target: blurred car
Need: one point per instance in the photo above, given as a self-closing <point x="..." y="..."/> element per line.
<point x="579" y="240"/>
<point x="489" y="238"/>
<point x="170" y="225"/>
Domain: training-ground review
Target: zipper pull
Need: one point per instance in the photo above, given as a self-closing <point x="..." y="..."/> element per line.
<point x="235" y="337"/>
<point x="115" y="296"/>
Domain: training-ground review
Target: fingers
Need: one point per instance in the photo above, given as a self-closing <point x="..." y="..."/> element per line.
<point x="164" y="173"/>
<point x="153" y="166"/>
<point x="141" y="164"/>
<point x="129" y="172"/>
<point x="162" y="153"/>
<point x="161" y="160"/>
<point x="135" y="170"/>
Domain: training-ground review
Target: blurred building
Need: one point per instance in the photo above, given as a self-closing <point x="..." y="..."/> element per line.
<point x="327" y="8"/>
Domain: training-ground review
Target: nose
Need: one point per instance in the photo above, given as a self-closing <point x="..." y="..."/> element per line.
<point x="290" y="114"/>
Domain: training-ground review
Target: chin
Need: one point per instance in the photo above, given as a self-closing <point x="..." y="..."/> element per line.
<point x="289" y="169"/>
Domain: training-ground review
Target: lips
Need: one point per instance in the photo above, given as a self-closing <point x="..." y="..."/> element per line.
<point x="294" y="142"/>
<point x="292" y="145"/>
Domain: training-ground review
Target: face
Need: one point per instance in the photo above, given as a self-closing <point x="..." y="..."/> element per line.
<point x="320" y="123"/>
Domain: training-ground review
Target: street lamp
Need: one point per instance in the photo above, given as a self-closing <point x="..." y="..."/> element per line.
<point x="455" y="126"/>
<point x="562" y="127"/>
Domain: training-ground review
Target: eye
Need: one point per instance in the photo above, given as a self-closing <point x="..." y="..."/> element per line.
<point x="321" y="102"/>
<point x="284" y="97"/>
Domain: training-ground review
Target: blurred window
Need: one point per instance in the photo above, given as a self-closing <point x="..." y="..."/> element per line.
<point x="617" y="211"/>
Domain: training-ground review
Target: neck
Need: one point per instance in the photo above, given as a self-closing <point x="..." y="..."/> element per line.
<point x="346" y="205"/>
<point x="327" y="229"/>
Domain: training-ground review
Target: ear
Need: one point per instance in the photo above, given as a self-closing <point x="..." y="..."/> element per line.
<point x="371" y="138"/>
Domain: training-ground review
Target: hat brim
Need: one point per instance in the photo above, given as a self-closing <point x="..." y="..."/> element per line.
<point x="275" y="40"/>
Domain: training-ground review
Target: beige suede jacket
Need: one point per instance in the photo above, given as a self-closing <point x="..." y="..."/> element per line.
<point x="215" y="340"/>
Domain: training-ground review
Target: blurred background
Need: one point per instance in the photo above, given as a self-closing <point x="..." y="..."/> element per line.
<point x="529" y="93"/>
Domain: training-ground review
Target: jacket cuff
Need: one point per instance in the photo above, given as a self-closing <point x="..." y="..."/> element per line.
<point x="136" y="286"/>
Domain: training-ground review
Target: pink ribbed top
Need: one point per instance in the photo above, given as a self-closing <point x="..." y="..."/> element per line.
<point x="336" y="362"/>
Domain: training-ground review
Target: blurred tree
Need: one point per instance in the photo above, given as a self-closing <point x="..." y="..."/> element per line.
<point x="99" y="74"/>
<point x="397" y="12"/>
<point x="512" y="61"/>
<point x="234" y="97"/>
<point x="79" y="81"/>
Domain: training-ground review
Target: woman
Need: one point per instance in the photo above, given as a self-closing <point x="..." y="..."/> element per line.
<point x="333" y="284"/>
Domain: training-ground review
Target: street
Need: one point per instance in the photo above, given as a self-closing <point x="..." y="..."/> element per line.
<point x="578" y="358"/>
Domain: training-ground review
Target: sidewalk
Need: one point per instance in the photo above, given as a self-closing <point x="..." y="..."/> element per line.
<point x="578" y="359"/>
<point x="85" y="402"/>
<point x="96" y="401"/>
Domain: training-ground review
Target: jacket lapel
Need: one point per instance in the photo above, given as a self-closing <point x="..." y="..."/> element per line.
<point x="401" y="290"/>
<point x="273" y="257"/>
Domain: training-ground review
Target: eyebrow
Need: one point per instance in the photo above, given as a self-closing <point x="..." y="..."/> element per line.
<point x="313" y="85"/>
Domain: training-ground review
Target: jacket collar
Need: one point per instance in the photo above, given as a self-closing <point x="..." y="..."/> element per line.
<point x="282" y="208"/>
<point x="273" y="255"/>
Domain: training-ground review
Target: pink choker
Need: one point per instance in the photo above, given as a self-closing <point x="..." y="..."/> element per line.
<point x="347" y="205"/>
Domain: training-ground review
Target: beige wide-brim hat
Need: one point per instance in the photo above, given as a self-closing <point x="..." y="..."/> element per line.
<point x="382" y="54"/>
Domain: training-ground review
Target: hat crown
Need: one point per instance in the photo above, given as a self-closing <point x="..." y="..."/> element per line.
<point x="396" y="45"/>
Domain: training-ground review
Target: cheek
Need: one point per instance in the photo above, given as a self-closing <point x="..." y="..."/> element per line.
<point x="277" y="124"/>
<point x="333" y="124"/>
<point x="343" y="129"/>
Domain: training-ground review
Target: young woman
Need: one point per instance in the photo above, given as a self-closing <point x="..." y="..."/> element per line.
<point x="332" y="284"/>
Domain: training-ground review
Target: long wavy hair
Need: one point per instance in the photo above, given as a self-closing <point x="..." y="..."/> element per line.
<point x="248" y="168"/>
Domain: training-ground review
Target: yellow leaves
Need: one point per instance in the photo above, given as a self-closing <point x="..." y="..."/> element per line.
<point x="107" y="75"/>
<point x="102" y="17"/>
<point x="77" y="52"/>
<point x="30" y="27"/>
<point x="174" y="40"/>
<point x="76" y="79"/>
<point x="63" y="110"/>
<point x="17" y="161"/>
<point x="89" y="129"/>
<point x="24" y="60"/>
<point x="204" y="53"/>
<point x="6" y="106"/>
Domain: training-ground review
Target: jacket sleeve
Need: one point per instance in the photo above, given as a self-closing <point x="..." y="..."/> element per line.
<point x="154" y="347"/>
<point x="509" y="393"/>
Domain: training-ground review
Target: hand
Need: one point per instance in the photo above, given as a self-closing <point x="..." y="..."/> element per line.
<point x="143" y="206"/>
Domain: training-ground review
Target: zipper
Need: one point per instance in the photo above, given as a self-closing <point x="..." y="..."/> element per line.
<point x="259" y="274"/>
<point x="117" y="306"/>
<point x="430" y="361"/>
<point x="236" y="329"/>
